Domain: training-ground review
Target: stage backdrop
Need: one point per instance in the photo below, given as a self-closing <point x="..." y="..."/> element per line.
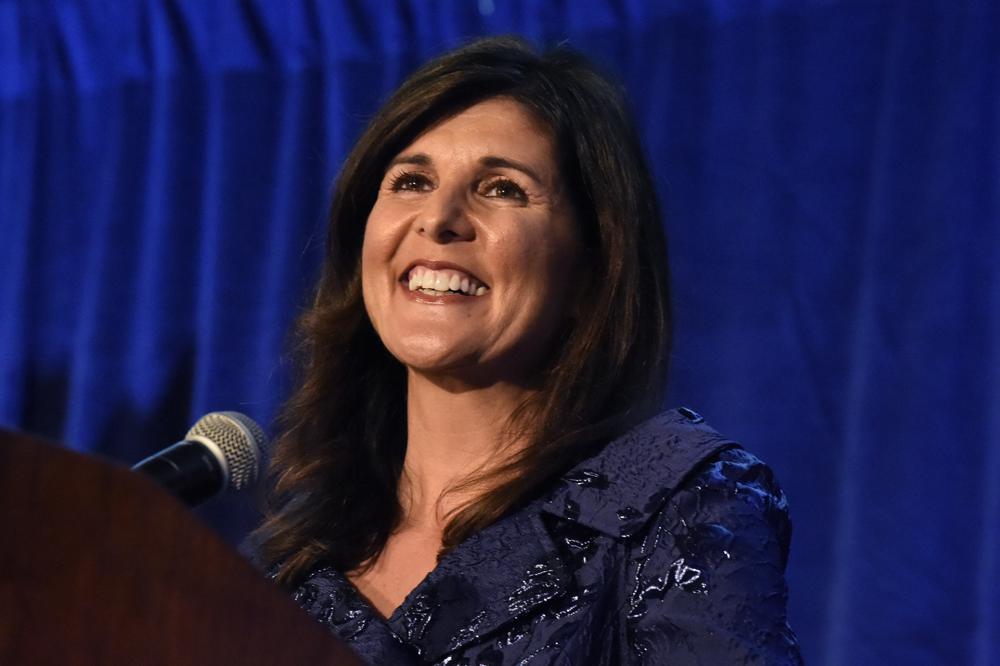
<point x="832" y="178"/>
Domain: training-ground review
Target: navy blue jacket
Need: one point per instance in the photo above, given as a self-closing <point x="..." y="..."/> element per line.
<point x="667" y="547"/>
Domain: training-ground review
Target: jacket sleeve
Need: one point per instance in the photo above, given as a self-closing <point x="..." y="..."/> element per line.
<point x="705" y="583"/>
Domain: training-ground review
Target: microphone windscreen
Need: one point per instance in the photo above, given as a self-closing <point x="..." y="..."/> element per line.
<point x="240" y="440"/>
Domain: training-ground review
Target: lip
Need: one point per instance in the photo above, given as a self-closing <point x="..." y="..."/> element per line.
<point x="440" y="265"/>
<point x="443" y="299"/>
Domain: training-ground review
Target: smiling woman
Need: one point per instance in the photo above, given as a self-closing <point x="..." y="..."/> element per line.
<point x="475" y="198"/>
<point x="473" y="469"/>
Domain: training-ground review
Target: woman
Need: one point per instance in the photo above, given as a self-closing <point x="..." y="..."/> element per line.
<point x="471" y="470"/>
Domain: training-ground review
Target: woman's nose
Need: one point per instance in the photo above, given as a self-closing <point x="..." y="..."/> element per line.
<point x="445" y="218"/>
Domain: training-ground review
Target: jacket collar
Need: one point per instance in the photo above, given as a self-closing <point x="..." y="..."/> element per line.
<point x="619" y="489"/>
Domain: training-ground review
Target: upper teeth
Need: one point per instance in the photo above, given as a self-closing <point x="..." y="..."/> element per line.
<point x="444" y="280"/>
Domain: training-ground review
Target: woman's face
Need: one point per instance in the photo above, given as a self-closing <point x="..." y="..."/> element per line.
<point x="470" y="251"/>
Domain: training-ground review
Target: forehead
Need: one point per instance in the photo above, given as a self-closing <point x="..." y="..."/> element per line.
<point x="498" y="126"/>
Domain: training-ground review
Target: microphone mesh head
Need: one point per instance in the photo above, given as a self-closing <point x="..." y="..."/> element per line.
<point x="239" y="438"/>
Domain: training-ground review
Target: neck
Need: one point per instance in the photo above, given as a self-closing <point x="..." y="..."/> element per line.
<point x="454" y="431"/>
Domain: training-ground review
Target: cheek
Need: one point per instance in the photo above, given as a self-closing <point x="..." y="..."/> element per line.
<point x="381" y="240"/>
<point x="552" y="258"/>
<point x="374" y="240"/>
<point x="544" y="270"/>
<point x="376" y="252"/>
<point x="368" y="263"/>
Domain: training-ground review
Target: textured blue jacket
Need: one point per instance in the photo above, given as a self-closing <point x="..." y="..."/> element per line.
<point x="667" y="547"/>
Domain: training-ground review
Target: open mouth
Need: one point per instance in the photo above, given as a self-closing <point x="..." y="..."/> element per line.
<point x="443" y="281"/>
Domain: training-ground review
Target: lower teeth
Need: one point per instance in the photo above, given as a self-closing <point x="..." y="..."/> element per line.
<point x="435" y="292"/>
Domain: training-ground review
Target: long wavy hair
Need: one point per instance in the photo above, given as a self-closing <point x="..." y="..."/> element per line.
<point x="332" y="494"/>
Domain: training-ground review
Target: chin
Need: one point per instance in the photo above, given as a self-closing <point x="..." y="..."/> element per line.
<point x="431" y="356"/>
<point x="446" y="356"/>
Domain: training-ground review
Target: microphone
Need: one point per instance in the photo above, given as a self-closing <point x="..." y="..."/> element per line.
<point x="221" y="451"/>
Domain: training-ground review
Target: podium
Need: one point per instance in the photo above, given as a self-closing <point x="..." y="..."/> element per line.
<point x="99" y="565"/>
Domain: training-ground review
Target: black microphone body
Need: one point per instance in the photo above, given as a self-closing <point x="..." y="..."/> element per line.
<point x="221" y="451"/>
<point x="188" y="469"/>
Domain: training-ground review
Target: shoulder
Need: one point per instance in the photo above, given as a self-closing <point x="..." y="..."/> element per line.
<point x="705" y="576"/>
<point x="729" y="516"/>
<point x="703" y="526"/>
<point x="734" y="487"/>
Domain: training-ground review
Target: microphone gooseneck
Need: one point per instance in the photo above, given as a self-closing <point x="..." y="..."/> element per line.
<point x="221" y="451"/>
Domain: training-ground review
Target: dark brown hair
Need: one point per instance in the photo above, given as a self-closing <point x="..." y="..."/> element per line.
<point x="334" y="473"/>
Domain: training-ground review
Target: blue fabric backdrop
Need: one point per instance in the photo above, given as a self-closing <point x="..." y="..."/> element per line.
<point x="832" y="175"/>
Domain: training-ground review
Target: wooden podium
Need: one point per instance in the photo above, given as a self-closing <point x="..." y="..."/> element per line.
<point x="98" y="565"/>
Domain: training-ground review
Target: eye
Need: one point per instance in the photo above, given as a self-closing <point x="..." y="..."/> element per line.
<point x="409" y="181"/>
<point x="503" y="188"/>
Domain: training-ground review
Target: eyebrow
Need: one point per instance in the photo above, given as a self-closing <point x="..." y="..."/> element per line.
<point x="419" y="159"/>
<point x="503" y="162"/>
<point x="422" y="159"/>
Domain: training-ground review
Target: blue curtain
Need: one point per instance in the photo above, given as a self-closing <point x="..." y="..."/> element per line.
<point x="832" y="177"/>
